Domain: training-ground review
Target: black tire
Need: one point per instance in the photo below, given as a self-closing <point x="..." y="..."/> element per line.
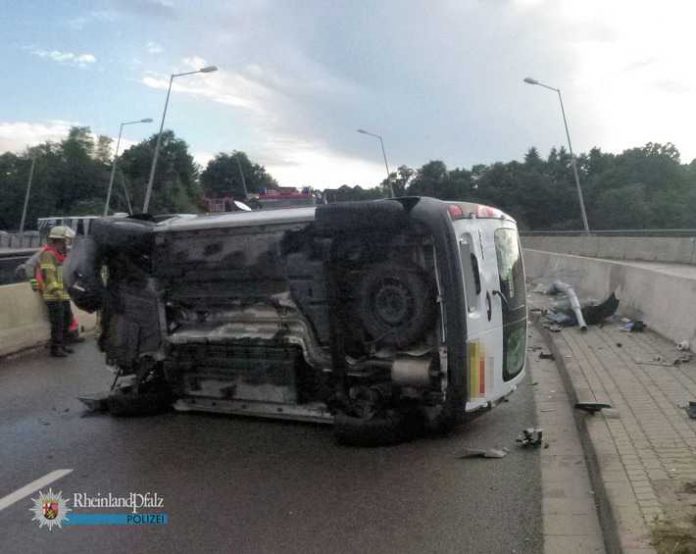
<point x="342" y="217"/>
<point x="129" y="235"/>
<point x="396" y="304"/>
<point x="378" y="431"/>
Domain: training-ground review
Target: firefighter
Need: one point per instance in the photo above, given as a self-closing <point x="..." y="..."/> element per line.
<point x="50" y="274"/>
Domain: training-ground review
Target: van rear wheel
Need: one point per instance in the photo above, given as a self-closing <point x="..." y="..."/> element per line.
<point x="395" y="304"/>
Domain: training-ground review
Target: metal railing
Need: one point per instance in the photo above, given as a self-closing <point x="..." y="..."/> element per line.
<point x="614" y="233"/>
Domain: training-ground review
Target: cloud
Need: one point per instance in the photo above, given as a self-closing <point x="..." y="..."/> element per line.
<point x="202" y="158"/>
<point x="153" y="8"/>
<point x="79" y="60"/>
<point x="154" y="48"/>
<point x="80" y="22"/>
<point x="277" y="106"/>
<point x="15" y="136"/>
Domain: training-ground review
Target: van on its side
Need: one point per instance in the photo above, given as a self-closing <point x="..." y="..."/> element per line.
<point x="379" y="317"/>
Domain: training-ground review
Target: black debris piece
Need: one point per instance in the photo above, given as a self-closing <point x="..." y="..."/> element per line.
<point x="691" y="409"/>
<point x="596" y="314"/>
<point x="546" y="356"/>
<point x="95" y="402"/>
<point x="591" y="407"/>
<point x="530" y="438"/>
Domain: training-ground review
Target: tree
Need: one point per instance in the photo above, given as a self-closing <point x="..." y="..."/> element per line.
<point x="103" y="150"/>
<point x="223" y="176"/>
<point x="175" y="188"/>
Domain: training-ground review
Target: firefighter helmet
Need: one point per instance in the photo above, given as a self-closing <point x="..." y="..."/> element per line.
<point x="61" y="232"/>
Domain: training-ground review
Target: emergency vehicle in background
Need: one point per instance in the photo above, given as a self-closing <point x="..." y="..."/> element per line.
<point x="267" y="199"/>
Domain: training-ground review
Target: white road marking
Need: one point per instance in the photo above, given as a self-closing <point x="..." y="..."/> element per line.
<point x="34" y="486"/>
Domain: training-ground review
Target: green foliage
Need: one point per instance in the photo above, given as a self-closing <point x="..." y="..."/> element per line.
<point x="175" y="188"/>
<point x="640" y="188"/>
<point x="646" y="187"/>
<point x="71" y="178"/>
<point x="227" y="174"/>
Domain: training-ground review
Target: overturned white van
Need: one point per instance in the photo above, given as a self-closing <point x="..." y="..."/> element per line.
<point x="380" y="317"/>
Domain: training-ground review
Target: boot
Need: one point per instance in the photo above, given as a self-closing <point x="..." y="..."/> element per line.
<point x="58" y="353"/>
<point x="68" y="350"/>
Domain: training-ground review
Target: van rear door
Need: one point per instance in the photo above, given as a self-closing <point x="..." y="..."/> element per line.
<point x="512" y="295"/>
<point x="496" y="307"/>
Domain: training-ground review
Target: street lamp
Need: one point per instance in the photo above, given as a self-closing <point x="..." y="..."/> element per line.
<point x="148" y="193"/>
<point x="26" y="200"/>
<point x="113" y="165"/>
<point x="384" y="154"/>
<point x="531" y="81"/>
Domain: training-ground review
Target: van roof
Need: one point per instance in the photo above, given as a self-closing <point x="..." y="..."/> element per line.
<point x="237" y="219"/>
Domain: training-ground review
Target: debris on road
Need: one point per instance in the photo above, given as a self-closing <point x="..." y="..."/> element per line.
<point x="570" y="312"/>
<point x="530" y="438"/>
<point x="481" y="453"/>
<point x="565" y="288"/>
<point x="591" y="407"/>
<point x="637" y="326"/>
<point x="95" y="402"/>
<point x="546" y="356"/>
<point x="691" y="409"/>
<point x="683" y="346"/>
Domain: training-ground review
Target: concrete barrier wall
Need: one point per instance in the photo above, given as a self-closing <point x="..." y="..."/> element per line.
<point x="680" y="250"/>
<point x="24" y="321"/>
<point x="30" y="239"/>
<point x="664" y="301"/>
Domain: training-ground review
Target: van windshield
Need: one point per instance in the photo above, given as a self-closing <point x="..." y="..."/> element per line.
<point x="511" y="272"/>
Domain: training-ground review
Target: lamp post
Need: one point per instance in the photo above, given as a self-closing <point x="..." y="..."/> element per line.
<point x="148" y="193"/>
<point x="384" y="154"/>
<point x="113" y="165"/>
<point x="531" y="81"/>
<point x="26" y="200"/>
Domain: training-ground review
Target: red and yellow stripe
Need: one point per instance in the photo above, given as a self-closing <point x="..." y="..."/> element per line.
<point x="477" y="370"/>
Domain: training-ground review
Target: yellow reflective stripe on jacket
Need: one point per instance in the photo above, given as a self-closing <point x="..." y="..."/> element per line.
<point x="52" y="271"/>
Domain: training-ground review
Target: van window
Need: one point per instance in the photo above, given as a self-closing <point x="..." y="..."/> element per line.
<point x="470" y="270"/>
<point x="510" y="270"/>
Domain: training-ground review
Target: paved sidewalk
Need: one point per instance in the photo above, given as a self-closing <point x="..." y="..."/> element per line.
<point x="570" y="518"/>
<point x="645" y="447"/>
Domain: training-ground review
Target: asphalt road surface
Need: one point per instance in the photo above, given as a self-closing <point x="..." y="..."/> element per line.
<point x="255" y="486"/>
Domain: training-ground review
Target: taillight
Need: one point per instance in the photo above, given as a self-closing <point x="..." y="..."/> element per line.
<point x="455" y="211"/>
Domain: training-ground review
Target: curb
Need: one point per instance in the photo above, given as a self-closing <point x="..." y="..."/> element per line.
<point x="607" y="520"/>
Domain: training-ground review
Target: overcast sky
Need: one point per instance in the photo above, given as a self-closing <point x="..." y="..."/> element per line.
<point x="437" y="79"/>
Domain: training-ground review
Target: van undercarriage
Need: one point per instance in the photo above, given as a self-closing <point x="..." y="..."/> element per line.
<point x="335" y="315"/>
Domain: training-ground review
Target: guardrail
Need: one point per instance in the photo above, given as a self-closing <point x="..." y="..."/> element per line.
<point x="9" y="260"/>
<point x="28" y="239"/>
<point x="614" y="233"/>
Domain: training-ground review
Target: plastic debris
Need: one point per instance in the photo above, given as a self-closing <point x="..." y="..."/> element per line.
<point x="683" y="346"/>
<point x="546" y="356"/>
<point x="483" y="453"/>
<point x="637" y="326"/>
<point x="530" y="438"/>
<point x="591" y="407"/>
<point x="691" y="409"/>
